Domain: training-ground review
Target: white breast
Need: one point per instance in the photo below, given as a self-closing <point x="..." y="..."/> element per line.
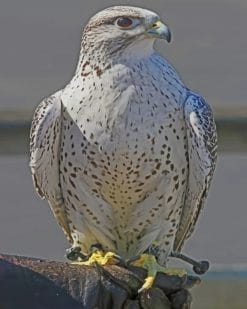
<point x="126" y="137"/>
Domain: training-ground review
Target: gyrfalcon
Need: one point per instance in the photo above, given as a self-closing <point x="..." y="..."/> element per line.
<point x="125" y="152"/>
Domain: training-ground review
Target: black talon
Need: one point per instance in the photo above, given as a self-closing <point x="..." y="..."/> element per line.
<point x="96" y="247"/>
<point x="74" y="254"/>
<point x="132" y="259"/>
<point x="152" y="250"/>
<point x="121" y="262"/>
<point x="199" y="268"/>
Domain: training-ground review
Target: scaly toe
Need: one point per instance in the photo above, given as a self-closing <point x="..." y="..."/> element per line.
<point x="101" y="258"/>
<point x="112" y="258"/>
<point x="96" y="257"/>
<point x="147" y="284"/>
<point x="150" y="263"/>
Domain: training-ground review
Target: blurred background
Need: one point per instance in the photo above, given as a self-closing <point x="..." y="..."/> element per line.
<point x="40" y="43"/>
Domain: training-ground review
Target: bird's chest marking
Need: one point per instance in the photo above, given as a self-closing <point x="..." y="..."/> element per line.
<point x="122" y="175"/>
<point x="122" y="138"/>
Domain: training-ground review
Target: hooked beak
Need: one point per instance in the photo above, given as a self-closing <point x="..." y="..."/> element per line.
<point x="160" y="31"/>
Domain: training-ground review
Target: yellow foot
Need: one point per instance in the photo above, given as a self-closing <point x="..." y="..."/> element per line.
<point x="102" y="258"/>
<point x="150" y="263"/>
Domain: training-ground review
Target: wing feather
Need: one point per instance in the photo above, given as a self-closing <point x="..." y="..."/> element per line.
<point x="202" y="155"/>
<point x="44" y="162"/>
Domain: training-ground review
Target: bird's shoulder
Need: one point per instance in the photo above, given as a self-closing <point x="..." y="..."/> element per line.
<point x="201" y="125"/>
<point x="49" y="109"/>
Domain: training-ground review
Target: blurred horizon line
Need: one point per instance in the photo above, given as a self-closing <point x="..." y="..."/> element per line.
<point x="22" y="123"/>
<point x="23" y="117"/>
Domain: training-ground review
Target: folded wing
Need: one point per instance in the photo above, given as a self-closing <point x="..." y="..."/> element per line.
<point x="45" y="148"/>
<point x="202" y="154"/>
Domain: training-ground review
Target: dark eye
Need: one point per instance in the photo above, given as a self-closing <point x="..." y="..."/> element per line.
<point x="124" y="22"/>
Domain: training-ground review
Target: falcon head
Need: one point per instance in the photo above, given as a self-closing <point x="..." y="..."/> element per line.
<point x="120" y="27"/>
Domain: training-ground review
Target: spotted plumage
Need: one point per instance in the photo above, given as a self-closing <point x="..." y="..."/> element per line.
<point x="125" y="153"/>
